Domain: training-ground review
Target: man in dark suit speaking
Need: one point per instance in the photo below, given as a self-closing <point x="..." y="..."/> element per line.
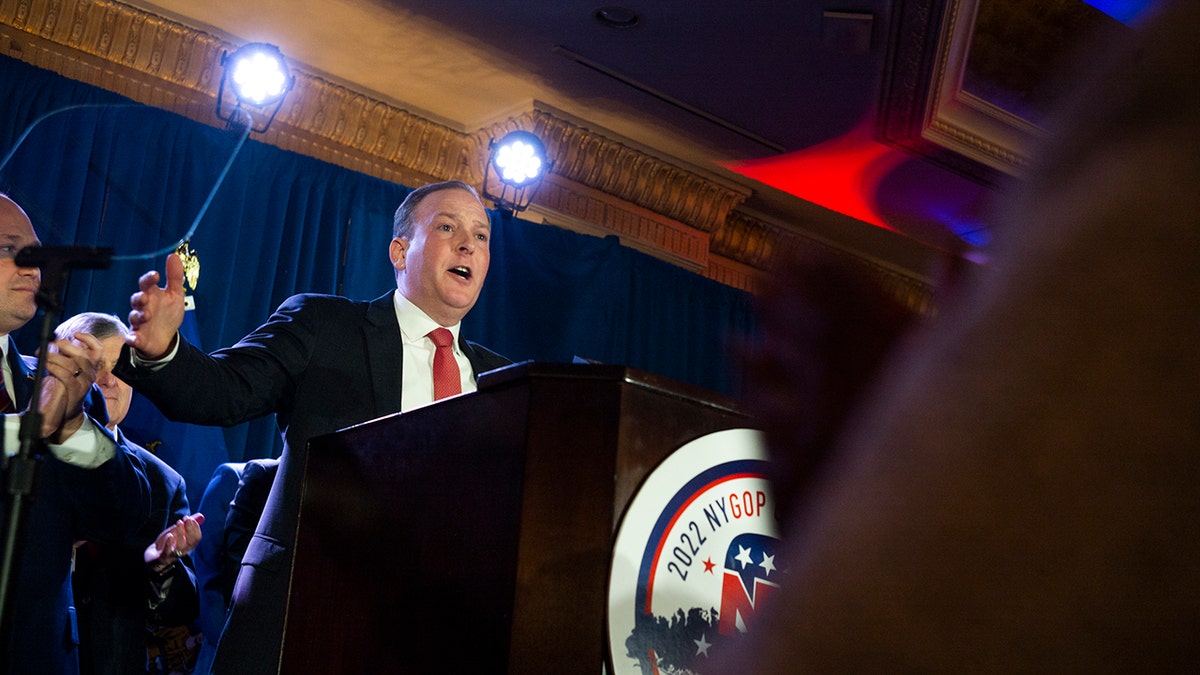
<point x="320" y="363"/>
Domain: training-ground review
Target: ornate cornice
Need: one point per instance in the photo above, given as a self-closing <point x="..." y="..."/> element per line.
<point x="660" y="206"/>
<point x="762" y="245"/>
<point x="614" y="168"/>
<point x="140" y="55"/>
<point x="343" y="118"/>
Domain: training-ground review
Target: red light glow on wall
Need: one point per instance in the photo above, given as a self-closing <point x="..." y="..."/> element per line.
<point x="842" y="174"/>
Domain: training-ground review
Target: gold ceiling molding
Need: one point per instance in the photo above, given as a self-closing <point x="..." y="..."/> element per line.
<point x="692" y="220"/>
<point x="634" y="176"/>
<point x="349" y="119"/>
<point x="157" y="51"/>
<point x="565" y="203"/>
<point x="642" y="199"/>
<point x="733" y="273"/>
<point x="747" y="239"/>
<point x="164" y="49"/>
<point x="154" y="46"/>
<point x="762" y="245"/>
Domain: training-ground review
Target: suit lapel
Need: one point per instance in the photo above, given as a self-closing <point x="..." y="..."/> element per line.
<point x="385" y="354"/>
<point x="22" y="376"/>
<point x="469" y="352"/>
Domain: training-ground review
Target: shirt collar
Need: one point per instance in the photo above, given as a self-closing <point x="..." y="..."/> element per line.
<point x="415" y="324"/>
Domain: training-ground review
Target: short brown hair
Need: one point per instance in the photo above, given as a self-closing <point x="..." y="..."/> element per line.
<point x="402" y="223"/>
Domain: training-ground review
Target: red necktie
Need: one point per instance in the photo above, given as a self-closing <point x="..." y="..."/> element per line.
<point x="446" y="378"/>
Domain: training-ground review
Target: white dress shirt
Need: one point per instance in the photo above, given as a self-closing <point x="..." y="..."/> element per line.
<point x="418" y="355"/>
<point x="415" y="324"/>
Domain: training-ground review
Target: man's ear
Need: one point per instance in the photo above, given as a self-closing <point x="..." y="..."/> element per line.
<point x="396" y="251"/>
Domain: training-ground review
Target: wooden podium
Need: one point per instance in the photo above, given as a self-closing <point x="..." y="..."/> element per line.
<point x="475" y="534"/>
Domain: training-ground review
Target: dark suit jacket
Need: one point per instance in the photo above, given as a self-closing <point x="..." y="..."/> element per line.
<point x="321" y="363"/>
<point x="70" y="504"/>
<point x="245" y="510"/>
<point x="232" y="505"/>
<point x="209" y="558"/>
<point x="111" y="583"/>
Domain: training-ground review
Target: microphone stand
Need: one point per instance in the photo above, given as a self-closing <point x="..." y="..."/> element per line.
<point x="21" y="470"/>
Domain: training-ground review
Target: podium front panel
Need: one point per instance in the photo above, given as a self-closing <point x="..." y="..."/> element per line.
<point x="475" y="534"/>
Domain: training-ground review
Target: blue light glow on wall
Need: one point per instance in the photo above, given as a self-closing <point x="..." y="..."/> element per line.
<point x="1125" y="11"/>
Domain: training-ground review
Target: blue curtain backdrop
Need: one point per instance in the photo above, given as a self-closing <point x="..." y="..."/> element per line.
<point x="282" y="223"/>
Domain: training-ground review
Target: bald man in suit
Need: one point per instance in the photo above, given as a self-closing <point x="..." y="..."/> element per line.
<point x="90" y="486"/>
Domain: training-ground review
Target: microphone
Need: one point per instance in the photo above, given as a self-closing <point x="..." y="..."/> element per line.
<point x="65" y="257"/>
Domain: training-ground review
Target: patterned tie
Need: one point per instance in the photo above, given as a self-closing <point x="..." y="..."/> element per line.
<point x="446" y="378"/>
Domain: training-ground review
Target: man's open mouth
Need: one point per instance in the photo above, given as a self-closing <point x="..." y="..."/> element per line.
<point x="464" y="272"/>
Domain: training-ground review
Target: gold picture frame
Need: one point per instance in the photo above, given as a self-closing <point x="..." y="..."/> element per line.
<point x="968" y="81"/>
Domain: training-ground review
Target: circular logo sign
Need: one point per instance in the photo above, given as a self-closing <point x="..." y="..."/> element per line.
<point x="694" y="557"/>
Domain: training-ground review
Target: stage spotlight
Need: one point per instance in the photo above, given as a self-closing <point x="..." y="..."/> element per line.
<point x="519" y="162"/>
<point x="257" y="76"/>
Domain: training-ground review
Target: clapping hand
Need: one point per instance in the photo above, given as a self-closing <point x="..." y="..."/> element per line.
<point x="71" y="367"/>
<point x="174" y="542"/>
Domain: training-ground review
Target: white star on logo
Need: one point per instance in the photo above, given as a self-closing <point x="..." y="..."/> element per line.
<point x="743" y="556"/>
<point x="702" y="646"/>
<point x="768" y="564"/>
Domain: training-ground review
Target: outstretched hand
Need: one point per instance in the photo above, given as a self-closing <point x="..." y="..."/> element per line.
<point x="172" y="543"/>
<point x="157" y="312"/>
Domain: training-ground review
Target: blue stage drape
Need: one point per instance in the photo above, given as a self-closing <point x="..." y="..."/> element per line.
<point x="282" y="223"/>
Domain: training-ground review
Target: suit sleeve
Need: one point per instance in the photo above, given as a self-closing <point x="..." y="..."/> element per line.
<point x="209" y="556"/>
<point x="255" y="377"/>
<point x="244" y="513"/>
